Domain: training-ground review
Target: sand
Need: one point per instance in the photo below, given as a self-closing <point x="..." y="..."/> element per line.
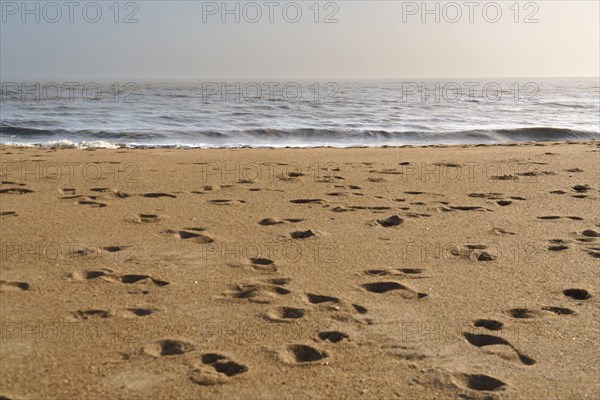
<point x="435" y="272"/>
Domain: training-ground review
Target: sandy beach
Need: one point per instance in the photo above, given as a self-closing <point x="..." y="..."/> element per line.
<point x="365" y="273"/>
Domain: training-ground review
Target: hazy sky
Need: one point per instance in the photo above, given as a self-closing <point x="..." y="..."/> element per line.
<point x="372" y="39"/>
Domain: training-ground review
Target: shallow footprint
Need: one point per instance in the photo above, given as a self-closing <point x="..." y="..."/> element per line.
<point x="308" y="201"/>
<point x="557" y="247"/>
<point x="318" y="299"/>
<point x="185" y="235"/>
<point x="16" y="191"/>
<point x="14" y="286"/>
<point x="260" y="293"/>
<point x="389" y="222"/>
<point x="303" y="234"/>
<point x="168" y="347"/>
<point x="300" y="354"/>
<point x="141" y="312"/>
<point x="489" y="324"/>
<point x="134" y="278"/>
<point x="522" y="313"/>
<point x="285" y="314"/>
<point x="216" y="369"/>
<point x="577" y="294"/>
<point x="558" y="310"/>
<point x="482" y="340"/>
<point x="480" y="382"/>
<point x="389" y="286"/>
<point x="91" y="314"/>
<point x="157" y="195"/>
<point x="332" y="336"/>
<point x="92" y="203"/>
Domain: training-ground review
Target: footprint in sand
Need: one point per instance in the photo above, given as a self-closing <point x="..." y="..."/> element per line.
<point x="483" y="340"/>
<point x="558" y="247"/>
<point x="412" y="271"/>
<point x="490" y="196"/>
<point x="141" y="312"/>
<point x="195" y="237"/>
<point x="263" y="265"/>
<point x="505" y="177"/>
<point x="391" y="286"/>
<point x="389" y="222"/>
<point x="474" y="252"/>
<point x="378" y="209"/>
<point x="319" y="299"/>
<point x="588" y="235"/>
<point x="143" y="218"/>
<point x="557" y="217"/>
<point x="463" y="208"/>
<point x="577" y="294"/>
<point x="113" y="192"/>
<point x="158" y="195"/>
<point x="92" y="274"/>
<point x="360" y="309"/>
<point x="115" y="249"/>
<point x="342" y="209"/>
<point x="377" y="272"/>
<point x="414" y="193"/>
<point x="581" y="188"/>
<point x="226" y="202"/>
<point x="408" y="272"/>
<point x="558" y="310"/>
<point x="489" y="324"/>
<point x="13" y="183"/>
<point x="479" y="382"/>
<point x="16" y="191"/>
<point x="261" y="293"/>
<point x="304" y="234"/>
<point x="271" y="221"/>
<point x="593" y="251"/>
<point x="275" y="221"/>
<point x="14" y="286"/>
<point x="215" y="369"/>
<point x="84" y="315"/>
<point x="147" y="218"/>
<point x="71" y="197"/>
<point x="285" y="314"/>
<point x="168" y="347"/>
<point x="523" y="313"/>
<point x="332" y="336"/>
<point x="309" y="201"/>
<point x="302" y="354"/>
<point x="134" y="278"/>
<point x="92" y="203"/>
<point x="110" y="276"/>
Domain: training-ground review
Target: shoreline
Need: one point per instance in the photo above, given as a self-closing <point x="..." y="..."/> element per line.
<point x="74" y="146"/>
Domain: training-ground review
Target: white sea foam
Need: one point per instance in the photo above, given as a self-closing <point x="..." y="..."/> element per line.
<point x="357" y="114"/>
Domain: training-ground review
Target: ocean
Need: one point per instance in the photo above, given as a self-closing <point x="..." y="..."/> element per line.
<point x="298" y="113"/>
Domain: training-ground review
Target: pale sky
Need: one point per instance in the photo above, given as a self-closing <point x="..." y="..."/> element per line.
<point x="370" y="40"/>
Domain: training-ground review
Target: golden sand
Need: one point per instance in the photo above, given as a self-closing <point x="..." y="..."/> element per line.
<point x="434" y="272"/>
